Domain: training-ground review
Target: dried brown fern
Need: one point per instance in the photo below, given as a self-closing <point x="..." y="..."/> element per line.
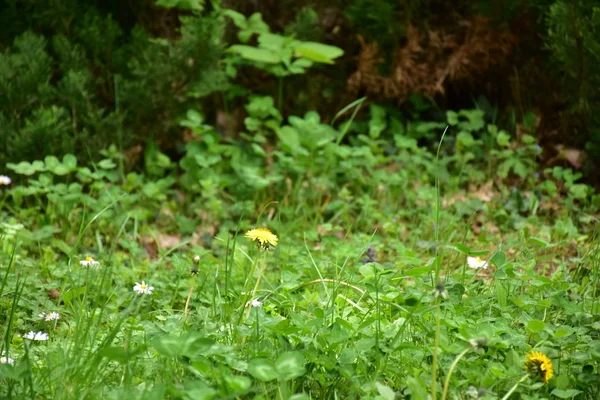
<point x="427" y="62"/>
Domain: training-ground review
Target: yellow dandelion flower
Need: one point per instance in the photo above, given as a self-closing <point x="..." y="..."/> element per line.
<point x="263" y="236"/>
<point x="538" y="364"/>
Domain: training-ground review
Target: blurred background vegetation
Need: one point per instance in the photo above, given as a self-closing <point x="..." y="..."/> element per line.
<point x="77" y="75"/>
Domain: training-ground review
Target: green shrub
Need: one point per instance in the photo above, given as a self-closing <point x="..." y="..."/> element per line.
<point x="89" y="83"/>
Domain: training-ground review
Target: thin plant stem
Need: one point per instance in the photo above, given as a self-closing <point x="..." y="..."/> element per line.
<point x="189" y="298"/>
<point x="435" y="351"/>
<point x="260" y="273"/>
<point x="507" y="395"/>
<point x="256" y="342"/>
<point x="257" y="284"/>
<point x="438" y="205"/>
<point x="451" y="370"/>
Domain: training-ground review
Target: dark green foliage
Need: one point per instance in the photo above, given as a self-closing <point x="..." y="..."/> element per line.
<point x="574" y="40"/>
<point x="75" y="80"/>
<point x="77" y="75"/>
<point x="164" y="77"/>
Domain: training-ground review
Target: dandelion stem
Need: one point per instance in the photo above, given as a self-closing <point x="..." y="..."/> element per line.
<point x="187" y="302"/>
<point x="451" y="370"/>
<point x="260" y="274"/>
<point x="507" y="395"/>
<point x="257" y="284"/>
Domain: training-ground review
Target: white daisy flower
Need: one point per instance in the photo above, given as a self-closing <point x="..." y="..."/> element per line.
<point x="36" y="336"/>
<point x="53" y="316"/>
<point x="6" y="360"/>
<point x="476" y="262"/>
<point x="5" y="180"/>
<point x="254" y="303"/>
<point x="89" y="262"/>
<point x="143" y="288"/>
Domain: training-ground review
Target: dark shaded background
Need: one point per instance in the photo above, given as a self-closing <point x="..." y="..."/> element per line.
<point x="76" y="75"/>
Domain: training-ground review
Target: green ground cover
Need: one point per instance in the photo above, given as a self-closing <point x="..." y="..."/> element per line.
<point x="392" y="270"/>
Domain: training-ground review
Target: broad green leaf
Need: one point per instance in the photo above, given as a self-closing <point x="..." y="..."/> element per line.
<point x="426" y="127"/>
<point x="238" y="18"/>
<point x="318" y="52"/>
<point x="475" y="120"/>
<point x="562" y="382"/>
<point x="198" y="390"/>
<point x="175" y="346"/>
<point x="498" y="259"/>
<point x="107" y="163"/>
<point x="25" y="168"/>
<point x="51" y="162"/>
<point x="276" y="43"/>
<point x="503" y="139"/>
<point x="290" y="365"/>
<point x="520" y="169"/>
<point x="579" y="190"/>
<point x="262" y="369"/>
<point x="452" y="117"/>
<point x="60" y="245"/>
<point x="69" y="161"/>
<point x="300" y="65"/>
<point x="385" y="391"/>
<point x="15" y="373"/>
<point x="256" y="24"/>
<point x="367" y="271"/>
<point x="461" y="248"/>
<point x="536" y="325"/>
<point x="539" y="242"/>
<point x="364" y="345"/>
<point x="566" y="393"/>
<point x="544" y="303"/>
<point x="59" y="170"/>
<point x="464" y="139"/>
<point x="562" y="332"/>
<point x="378" y="121"/>
<point x="405" y="142"/>
<point x="289" y="137"/>
<point x="197" y="5"/>
<point x="255" y="54"/>
<point x="417" y="388"/>
<point x="238" y="383"/>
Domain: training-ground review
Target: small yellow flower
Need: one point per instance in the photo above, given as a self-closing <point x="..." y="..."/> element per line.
<point x="263" y="236"/>
<point x="538" y="364"/>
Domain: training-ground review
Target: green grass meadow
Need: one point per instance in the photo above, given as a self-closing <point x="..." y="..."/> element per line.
<point x="299" y="200"/>
<point x="372" y="290"/>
